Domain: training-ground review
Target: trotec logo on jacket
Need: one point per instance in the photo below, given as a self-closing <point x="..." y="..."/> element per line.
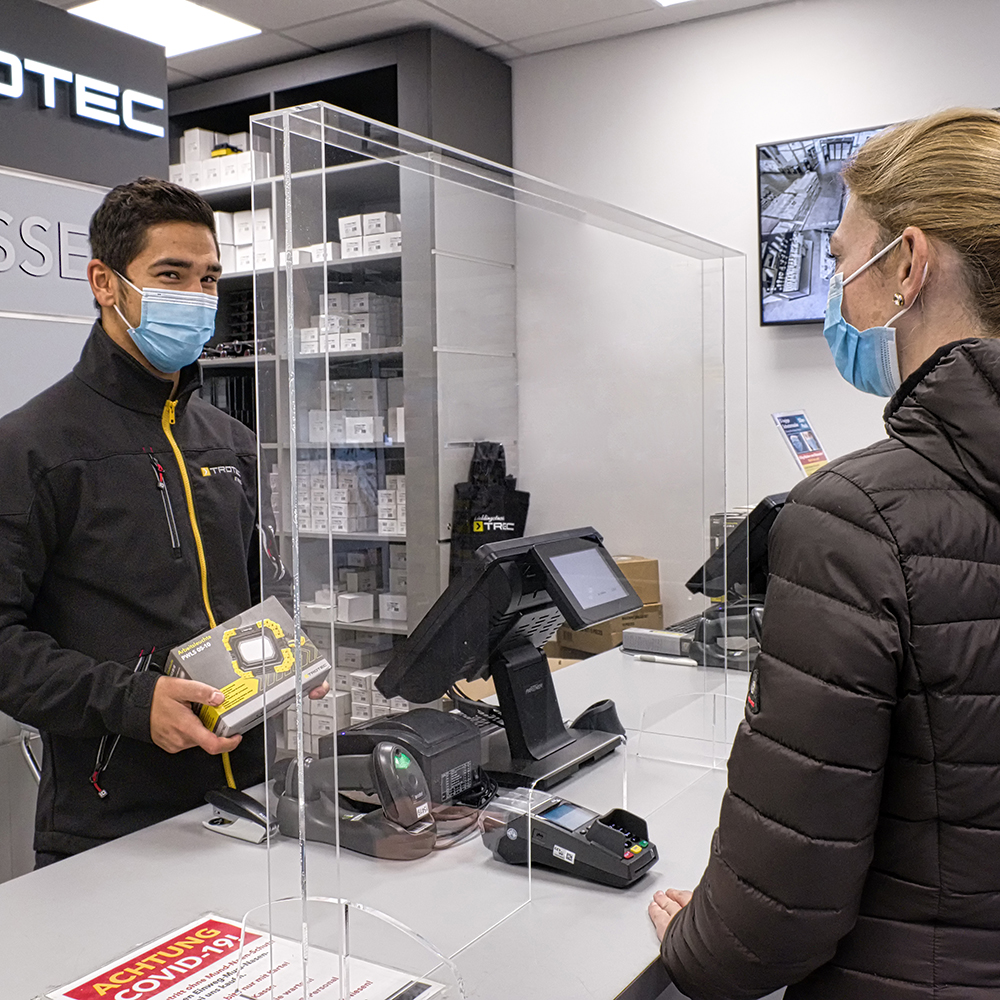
<point x="222" y="470"/>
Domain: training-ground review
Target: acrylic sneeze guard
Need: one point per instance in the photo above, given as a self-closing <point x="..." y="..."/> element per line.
<point x="481" y="305"/>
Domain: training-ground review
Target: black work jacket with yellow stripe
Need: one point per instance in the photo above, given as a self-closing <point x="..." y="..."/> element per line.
<point x="857" y="849"/>
<point x="98" y="564"/>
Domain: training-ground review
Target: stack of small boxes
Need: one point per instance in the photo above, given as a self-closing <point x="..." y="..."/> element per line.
<point x="392" y="507"/>
<point x="392" y="604"/>
<point x="356" y="321"/>
<point x="199" y="170"/>
<point x="245" y="240"/>
<point x="337" y="499"/>
<point x="319" y="718"/>
<point x="370" y="235"/>
<point x="354" y="414"/>
<point x="358" y="664"/>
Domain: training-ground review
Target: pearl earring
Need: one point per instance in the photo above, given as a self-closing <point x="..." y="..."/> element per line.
<point x="898" y="299"/>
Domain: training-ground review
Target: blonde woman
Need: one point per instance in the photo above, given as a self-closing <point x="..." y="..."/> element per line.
<point x="858" y="849"/>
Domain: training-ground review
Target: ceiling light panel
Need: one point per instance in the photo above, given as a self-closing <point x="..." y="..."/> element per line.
<point x="178" y="25"/>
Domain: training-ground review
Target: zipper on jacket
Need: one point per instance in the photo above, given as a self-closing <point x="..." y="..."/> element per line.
<point x="168" y="507"/>
<point x="168" y="419"/>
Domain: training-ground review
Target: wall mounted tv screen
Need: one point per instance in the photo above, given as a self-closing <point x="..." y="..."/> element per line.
<point x="801" y="201"/>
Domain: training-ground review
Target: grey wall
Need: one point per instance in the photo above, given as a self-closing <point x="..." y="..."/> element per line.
<point x="55" y="140"/>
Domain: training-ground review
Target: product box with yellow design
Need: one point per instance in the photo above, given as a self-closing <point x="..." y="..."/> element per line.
<point x="251" y="660"/>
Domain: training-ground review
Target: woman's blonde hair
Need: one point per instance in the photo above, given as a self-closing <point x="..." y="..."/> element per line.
<point x="942" y="175"/>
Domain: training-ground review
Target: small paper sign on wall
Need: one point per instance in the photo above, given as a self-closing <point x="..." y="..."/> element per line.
<point x="801" y="440"/>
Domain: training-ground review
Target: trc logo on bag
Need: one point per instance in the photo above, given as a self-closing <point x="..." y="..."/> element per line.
<point x="491" y="522"/>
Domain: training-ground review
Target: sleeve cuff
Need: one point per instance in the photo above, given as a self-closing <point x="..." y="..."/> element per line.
<point x="138" y="703"/>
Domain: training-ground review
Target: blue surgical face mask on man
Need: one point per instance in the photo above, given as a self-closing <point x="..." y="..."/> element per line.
<point x="866" y="358"/>
<point x="174" y="326"/>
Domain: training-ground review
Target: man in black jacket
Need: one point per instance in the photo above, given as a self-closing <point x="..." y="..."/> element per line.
<point x="128" y="513"/>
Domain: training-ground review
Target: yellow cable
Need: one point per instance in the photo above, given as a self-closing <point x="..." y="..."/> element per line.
<point x="170" y="417"/>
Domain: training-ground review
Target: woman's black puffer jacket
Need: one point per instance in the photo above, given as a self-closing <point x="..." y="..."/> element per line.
<point x="858" y="849"/>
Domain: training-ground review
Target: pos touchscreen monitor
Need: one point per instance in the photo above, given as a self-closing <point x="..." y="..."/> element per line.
<point x="495" y="622"/>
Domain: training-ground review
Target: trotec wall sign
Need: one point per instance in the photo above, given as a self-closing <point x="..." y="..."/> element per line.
<point x="77" y="100"/>
<point x="94" y="99"/>
<point x="44" y="247"/>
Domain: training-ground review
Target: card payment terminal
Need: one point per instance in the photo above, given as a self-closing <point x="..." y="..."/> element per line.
<point x="612" y="849"/>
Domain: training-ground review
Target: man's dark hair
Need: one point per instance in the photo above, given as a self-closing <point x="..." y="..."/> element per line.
<point x="118" y="228"/>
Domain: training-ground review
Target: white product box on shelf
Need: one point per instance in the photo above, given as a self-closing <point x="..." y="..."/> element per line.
<point x="397" y="557"/>
<point x="244" y="258"/>
<point x="347" y="510"/>
<point x="362" y="713"/>
<point x="379" y="700"/>
<point x="345" y="494"/>
<point x="198" y="143"/>
<point x="227" y="257"/>
<point x="263" y="255"/>
<point x="397" y="483"/>
<point x="240" y="140"/>
<point x="359" y="323"/>
<point x="175" y="173"/>
<point x="230" y="167"/>
<point x="224" y="231"/>
<point x="354" y="342"/>
<point x="386" y="497"/>
<point x="287" y="257"/>
<point x="379" y="222"/>
<point x="335" y="302"/>
<point x="321" y="252"/>
<point x="372" y="245"/>
<point x="342" y="679"/>
<point x="363" y="678"/>
<point x="192" y="175"/>
<point x="388" y="526"/>
<point x="397" y="426"/>
<point x="380" y="710"/>
<point x="360" y="696"/>
<point x="392" y="607"/>
<point x="349" y="226"/>
<point x="211" y="173"/>
<point x="330" y="322"/>
<point x="309" y="335"/>
<point x="397" y="581"/>
<point x="386" y="510"/>
<point x="361" y="581"/>
<point x="352" y="246"/>
<point x="310" y="348"/>
<point x="360" y="302"/>
<point x="355" y="607"/>
<point x="394" y="242"/>
<point x="365" y="430"/>
<point x="243" y="228"/>
<point x="332" y="342"/>
<point x="262" y="224"/>
<point x="399" y="705"/>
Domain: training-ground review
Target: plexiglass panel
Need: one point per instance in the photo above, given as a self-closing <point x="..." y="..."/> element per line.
<point x="415" y="302"/>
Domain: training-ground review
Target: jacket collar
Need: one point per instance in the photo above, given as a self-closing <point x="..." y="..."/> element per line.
<point x="117" y="376"/>
<point x="949" y="412"/>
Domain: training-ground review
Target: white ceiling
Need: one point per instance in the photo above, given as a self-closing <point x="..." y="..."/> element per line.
<point x="507" y="28"/>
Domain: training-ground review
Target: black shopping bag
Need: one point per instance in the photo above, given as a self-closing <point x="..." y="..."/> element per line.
<point x="488" y="508"/>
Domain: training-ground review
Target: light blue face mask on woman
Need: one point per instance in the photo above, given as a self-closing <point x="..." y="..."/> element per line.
<point x="174" y="326"/>
<point x="866" y="358"/>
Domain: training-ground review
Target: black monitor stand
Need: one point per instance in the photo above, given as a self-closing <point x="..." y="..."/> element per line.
<point x="536" y="748"/>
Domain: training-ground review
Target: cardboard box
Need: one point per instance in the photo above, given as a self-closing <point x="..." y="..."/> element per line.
<point x="361" y="302"/>
<point x="392" y="607"/>
<point x="248" y="658"/>
<point x="335" y="302"/>
<point x="608" y="635"/>
<point x="356" y="607"/>
<point x="352" y="246"/>
<point x="373" y="245"/>
<point x="643" y="574"/>
<point x="379" y="222"/>
<point x="243" y="228"/>
<point x="349" y="227"/>
<point x="227" y="257"/>
<point x="224" y="232"/>
<point x="483" y="689"/>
